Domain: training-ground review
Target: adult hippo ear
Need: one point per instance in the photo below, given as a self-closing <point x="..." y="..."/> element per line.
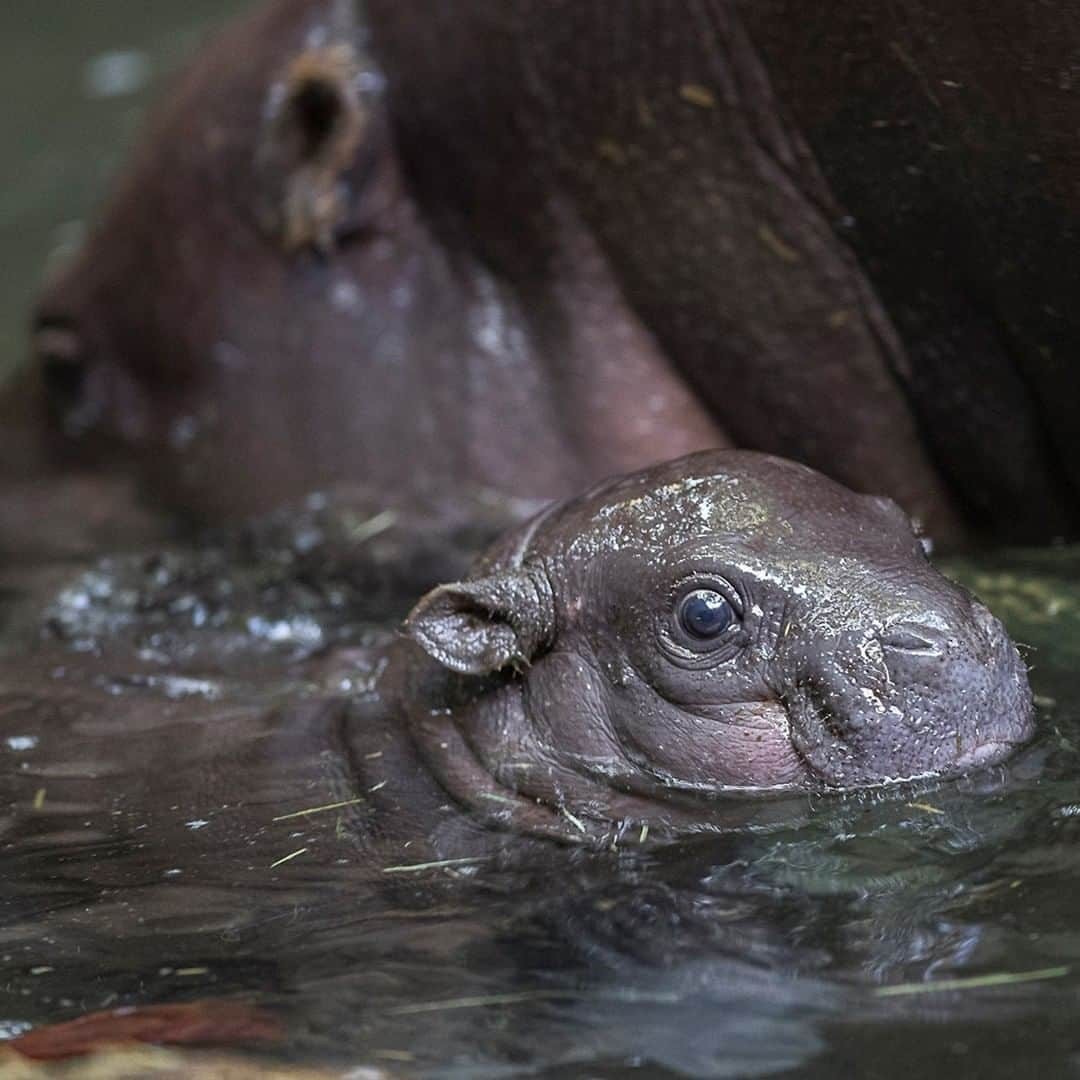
<point x="482" y="626"/>
<point x="317" y="157"/>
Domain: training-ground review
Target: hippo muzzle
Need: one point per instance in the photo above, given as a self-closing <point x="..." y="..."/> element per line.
<point x="725" y="623"/>
<point x="937" y="696"/>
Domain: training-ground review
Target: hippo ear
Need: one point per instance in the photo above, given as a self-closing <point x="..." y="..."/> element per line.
<point x="315" y="128"/>
<point x="479" y="627"/>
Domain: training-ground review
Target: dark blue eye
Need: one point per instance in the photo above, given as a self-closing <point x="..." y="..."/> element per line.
<point x="705" y="613"/>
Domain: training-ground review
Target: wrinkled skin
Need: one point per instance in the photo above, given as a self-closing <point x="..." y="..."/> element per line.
<point x="571" y="698"/>
<point x="555" y="692"/>
<point x="521" y="245"/>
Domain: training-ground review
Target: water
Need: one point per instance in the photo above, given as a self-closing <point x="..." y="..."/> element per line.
<point x="162" y="714"/>
<point x="75" y="79"/>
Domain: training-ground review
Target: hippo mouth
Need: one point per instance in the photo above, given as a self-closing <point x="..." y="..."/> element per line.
<point x="990" y="753"/>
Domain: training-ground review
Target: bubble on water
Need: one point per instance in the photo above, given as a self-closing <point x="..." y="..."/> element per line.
<point x="300" y="630"/>
<point x="177" y="687"/>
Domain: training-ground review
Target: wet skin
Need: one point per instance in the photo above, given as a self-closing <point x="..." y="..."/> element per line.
<point x="722" y="624"/>
<point x="645" y="657"/>
<point x="430" y="255"/>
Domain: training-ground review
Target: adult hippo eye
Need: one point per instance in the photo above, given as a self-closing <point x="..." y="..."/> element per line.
<point x="705" y="614"/>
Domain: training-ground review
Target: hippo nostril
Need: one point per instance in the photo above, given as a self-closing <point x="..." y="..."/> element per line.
<point x="911" y="638"/>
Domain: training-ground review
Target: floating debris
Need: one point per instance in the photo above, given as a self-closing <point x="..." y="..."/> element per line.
<point x="395" y="1055"/>
<point x="975" y="982"/>
<point x="369" y="529"/>
<point x="481" y="1001"/>
<point x="492" y="797"/>
<point x="289" y="857"/>
<point x="39" y="798"/>
<point x="925" y="807"/>
<point x="696" y="94"/>
<point x="317" y="809"/>
<point x="784" y="252"/>
<point x="438" y="865"/>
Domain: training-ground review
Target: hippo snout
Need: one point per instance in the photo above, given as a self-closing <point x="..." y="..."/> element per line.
<point x="917" y="697"/>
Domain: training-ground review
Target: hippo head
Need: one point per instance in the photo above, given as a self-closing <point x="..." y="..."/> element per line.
<point x="268" y="307"/>
<point x="725" y="621"/>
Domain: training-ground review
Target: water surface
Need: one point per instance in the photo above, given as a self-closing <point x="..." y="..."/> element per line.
<point x="164" y="716"/>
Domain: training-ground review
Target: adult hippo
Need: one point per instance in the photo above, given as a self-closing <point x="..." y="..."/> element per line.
<point x="518" y="245"/>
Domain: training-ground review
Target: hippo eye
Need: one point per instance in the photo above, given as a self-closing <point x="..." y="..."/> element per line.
<point x="705" y="614"/>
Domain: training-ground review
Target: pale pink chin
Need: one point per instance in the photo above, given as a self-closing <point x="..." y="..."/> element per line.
<point x="988" y="754"/>
<point x="745" y="745"/>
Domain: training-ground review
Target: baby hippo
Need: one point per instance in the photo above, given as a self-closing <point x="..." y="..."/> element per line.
<point x="721" y="624"/>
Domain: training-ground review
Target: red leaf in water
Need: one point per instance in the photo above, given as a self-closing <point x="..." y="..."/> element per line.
<point x="218" y="1023"/>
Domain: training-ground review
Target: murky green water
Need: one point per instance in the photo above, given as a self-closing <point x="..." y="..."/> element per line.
<point x="162" y="715"/>
<point x="75" y="80"/>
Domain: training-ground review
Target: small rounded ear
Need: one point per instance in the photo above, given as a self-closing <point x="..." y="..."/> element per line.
<point x="479" y="627"/>
<point x="316" y="125"/>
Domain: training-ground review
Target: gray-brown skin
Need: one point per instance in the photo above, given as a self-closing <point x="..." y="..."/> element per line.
<point x="266" y="309"/>
<point x="522" y="244"/>
<point x="557" y="690"/>
<point x="550" y="696"/>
